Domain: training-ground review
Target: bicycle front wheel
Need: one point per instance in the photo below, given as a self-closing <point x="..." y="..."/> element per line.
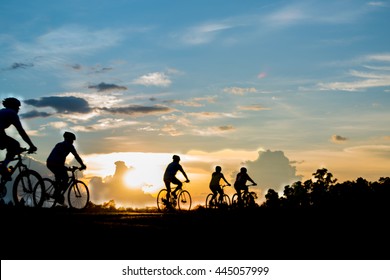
<point x="184" y="200"/>
<point x="78" y="195"/>
<point x="225" y="201"/>
<point x="162" y="205"/>
<point x="23" y="188"/>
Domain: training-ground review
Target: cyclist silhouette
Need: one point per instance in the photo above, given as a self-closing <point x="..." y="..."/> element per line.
<point x="170" y="176"/>
<point x="9" y="116"/>
<point x="215" y="186"/>
<point x="56" y="163"/>
<point x="240" y="183"/>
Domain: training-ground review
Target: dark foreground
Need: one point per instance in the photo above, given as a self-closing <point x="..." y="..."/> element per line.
<point x="201" y="234"/>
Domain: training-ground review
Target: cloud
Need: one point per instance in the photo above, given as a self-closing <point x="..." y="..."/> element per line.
<point x="254" y="107"/>
<point x="378" y="77"/>
<point x="107" y="87"/>
<point x="35" y="114"/>
<point x="153" y="79"/>
<point x="18" y="65"/>
<point x="188" y="103"/>
<point x="104" y="124"/>
<point x="211" y="115"/>
<point x="338" y="139"/>
<point x="203" y="33"/>
<point x="262" y="75"/>
<point x="62" y="104"/>
<point x="381" y="151"/>
<point x="114" y="188"/>
<point x="377" y="4"/>
<point x="216" y="130"/>
<point x="272" y="170"/>
<point x="72" y="39"/>
<point x="239" y="90"/>
<point x="137" y="109"/>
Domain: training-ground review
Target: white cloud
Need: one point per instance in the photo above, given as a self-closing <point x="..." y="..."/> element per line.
<point x="203" y="33"/>
<point x="153" y="79"/>
<point x="71" y="40"/>
<point x="239" y="90"/>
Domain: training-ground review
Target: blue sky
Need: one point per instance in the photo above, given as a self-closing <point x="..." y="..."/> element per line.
<point x="304" y="84"/>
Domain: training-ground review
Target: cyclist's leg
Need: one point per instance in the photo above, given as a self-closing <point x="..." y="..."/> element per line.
<point x="178" y="187"/>
<point x="220" y="191"/>
<point x="168" y="187"/>
<point x="61" y="179"/>
<point x="12" y="148"/>
<point x="214" y="192"/>
<point x="239" y="198"/>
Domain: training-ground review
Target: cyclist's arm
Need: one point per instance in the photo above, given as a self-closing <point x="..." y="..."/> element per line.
<point x="184" y="173"/>
<point x="251" y="180"/>
<point x="78" y="158"/>
<point x="22" y="133"/>
<point x="223" y="177"/>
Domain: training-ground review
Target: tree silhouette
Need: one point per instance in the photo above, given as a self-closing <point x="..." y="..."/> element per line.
<point x="323" y="192"/>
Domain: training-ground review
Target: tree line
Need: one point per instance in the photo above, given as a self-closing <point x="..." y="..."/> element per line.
<point x="324" y="192"/>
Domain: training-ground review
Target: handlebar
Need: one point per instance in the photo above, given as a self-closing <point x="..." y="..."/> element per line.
<point x="26" y="150"/>
<point x="74" y="168"/>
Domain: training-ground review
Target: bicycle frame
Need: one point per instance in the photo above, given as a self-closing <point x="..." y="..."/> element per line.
<point x="182" y="202"/>
<point x="247" y="197"/>
<point x="220" y="200"/>
<point x="76" y="190"/>
<point x="20" y="166"/>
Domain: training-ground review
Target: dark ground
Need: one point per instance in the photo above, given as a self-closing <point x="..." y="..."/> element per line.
<point x="258" y="234"/>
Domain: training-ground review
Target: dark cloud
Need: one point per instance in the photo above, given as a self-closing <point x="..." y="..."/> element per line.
<point x="35" y="114"/>
<point x="107" y="87"/>
<point x="338" y="138"/>
<point x="137" y="109"/>
<point x="271" y="170"/>
<point x="18" y="65"/>
<point x="62" y="104"/>
<point x="226" y="127"/>
<point x="76" y="66"/>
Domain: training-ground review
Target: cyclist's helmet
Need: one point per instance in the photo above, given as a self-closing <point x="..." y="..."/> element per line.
<point x="243" y="169"/>
<point x="176" y="158"/>
<point x="69" y="136"/>
<point x="11" y="102"/>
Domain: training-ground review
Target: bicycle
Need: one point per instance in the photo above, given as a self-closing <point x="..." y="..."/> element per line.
<point x="25" y="182"/>
<point x="247" y="198"/>
<point x="183" y="201"/>
<point x="216" y="202"/>
<point x="76" y="190"/>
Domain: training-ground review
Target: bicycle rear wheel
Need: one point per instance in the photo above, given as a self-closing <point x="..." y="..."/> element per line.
<point x="210" y="203"/>
<point x="23" y="188"/>
<point x="45" y="199"/>
<point x="184" y="200"/>
<point x="78" y="195"/>
<point x="162" y="205"/>
<point x="235" y="201"/>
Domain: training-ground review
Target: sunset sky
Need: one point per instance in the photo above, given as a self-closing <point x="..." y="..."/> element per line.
<point x="281" y="87"/>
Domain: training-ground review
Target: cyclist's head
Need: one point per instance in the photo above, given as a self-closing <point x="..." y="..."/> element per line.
<point x="243" y="169"/>
<point x="12" y="103"/>
<point x="176" y="158"/>
<point x="69" y="136"/>
<point x="218" y="168"/>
